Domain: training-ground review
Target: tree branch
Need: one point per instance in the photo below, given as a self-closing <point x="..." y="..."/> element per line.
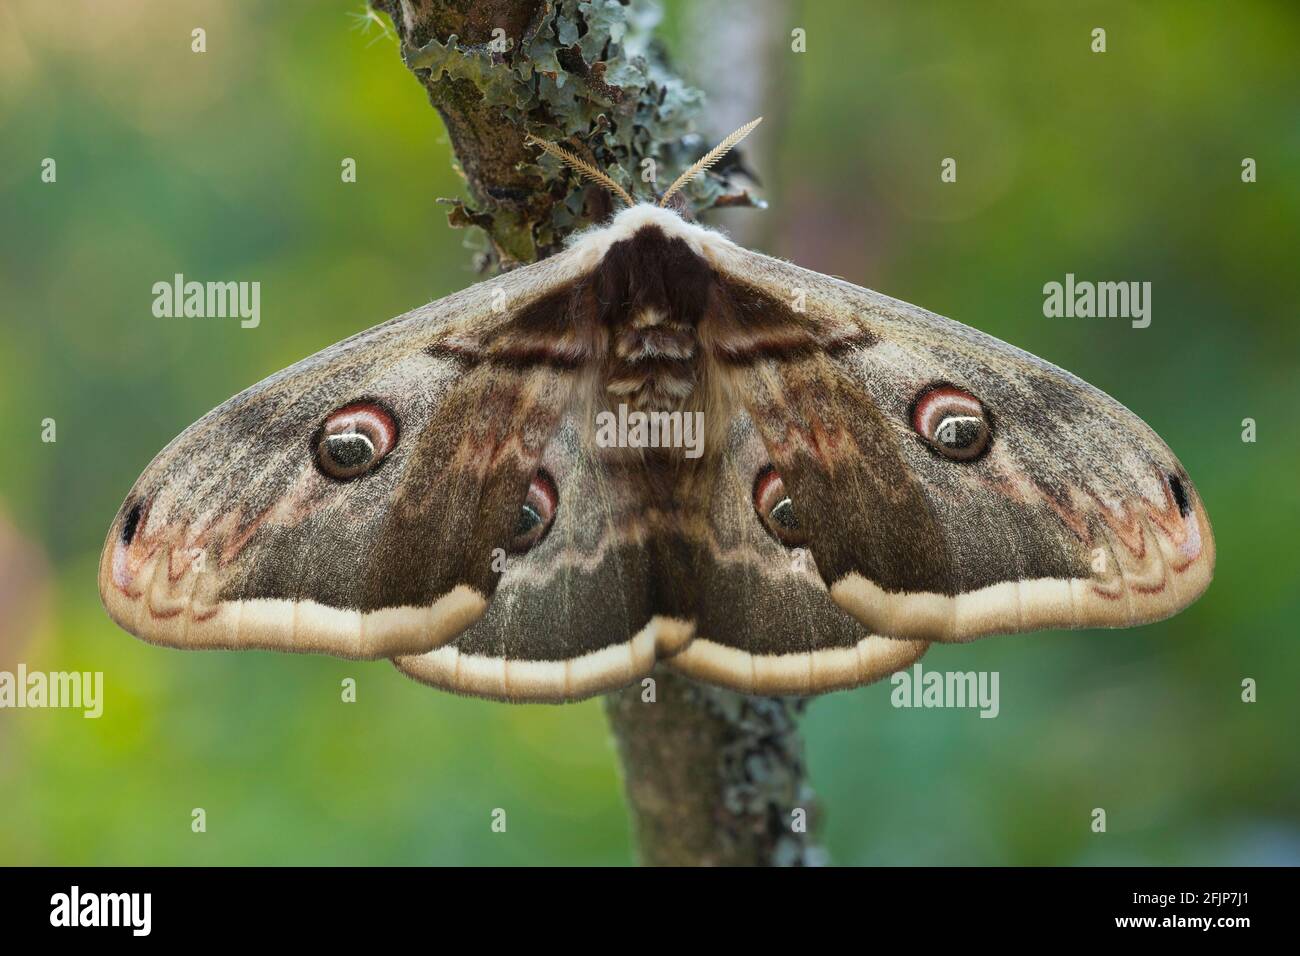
<point x="712" y="777"/>
<point x="584" y="75"/>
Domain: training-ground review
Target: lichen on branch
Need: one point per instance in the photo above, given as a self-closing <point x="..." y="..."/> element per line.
<point x="586" y="74"/>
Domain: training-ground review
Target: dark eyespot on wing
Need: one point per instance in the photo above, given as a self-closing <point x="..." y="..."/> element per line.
<point x="1180" y="496"/>
<point x="349" y="451"/>
<point x="355" y="439"/>
<point x="775" y="508"/>
<point x="132" y="522"/>
<point x="536" y="514"/>
<point x="528" y="519"/>
<point x="783" y="514"/>
<point x="951" y="422"/>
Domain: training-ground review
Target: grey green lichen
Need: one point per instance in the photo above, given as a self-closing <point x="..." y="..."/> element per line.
<point x="585" y="75"/>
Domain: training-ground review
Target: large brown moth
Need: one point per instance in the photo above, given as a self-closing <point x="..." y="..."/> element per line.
<point x="872" y="477"/>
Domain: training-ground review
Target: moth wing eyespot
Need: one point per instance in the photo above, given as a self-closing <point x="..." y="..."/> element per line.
<point x="783" y="514"/>
<point x="1181" y="498"/>
<point x="528" y="520"/>
<point x="131" y="523"/>
<point x="350" y="451"/>
<point x="536" y="513"/>
<point x="775" y="508"/>
<point x="354" y="439"/>
<point x="952" y="422"/>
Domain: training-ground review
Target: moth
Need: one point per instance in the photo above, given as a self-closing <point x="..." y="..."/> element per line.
<point x="872" y="478"/>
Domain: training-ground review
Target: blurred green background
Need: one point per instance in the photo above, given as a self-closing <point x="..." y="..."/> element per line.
<point x="1120" y="166"/>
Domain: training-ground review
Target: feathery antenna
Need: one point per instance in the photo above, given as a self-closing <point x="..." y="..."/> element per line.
<point x="582" y="167"/>
<point x="709" y="158"/>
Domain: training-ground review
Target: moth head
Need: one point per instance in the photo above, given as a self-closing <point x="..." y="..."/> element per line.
<point x="679" y="204"/>
<point x="952" y="422"/>
<point x="671" y="198"/>
<point x="354" y="439"/>
<point x="776" y="509"/>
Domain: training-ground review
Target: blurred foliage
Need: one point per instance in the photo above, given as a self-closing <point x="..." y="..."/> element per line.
<point x="225" y="165"/>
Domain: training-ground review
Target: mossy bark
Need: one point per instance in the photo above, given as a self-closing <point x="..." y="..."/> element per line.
<point x="585" y="75"/>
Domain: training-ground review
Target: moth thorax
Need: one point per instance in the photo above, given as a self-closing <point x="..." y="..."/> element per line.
<point x="653" y="361"/>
